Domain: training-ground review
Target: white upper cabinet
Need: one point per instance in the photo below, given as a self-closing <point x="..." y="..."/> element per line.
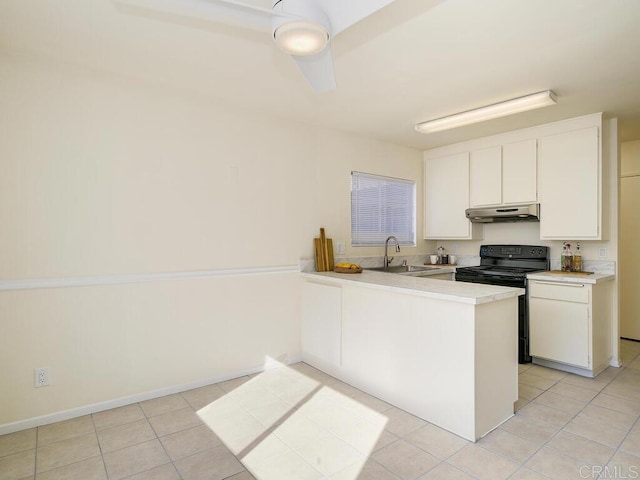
<point x="558" y="165"/>
<point x="504" y="174"/>
<point x="485" y="170"/>
<point x="446" y="197"/>
<point x="520" y="172"/>
<point x="570" y="185"/>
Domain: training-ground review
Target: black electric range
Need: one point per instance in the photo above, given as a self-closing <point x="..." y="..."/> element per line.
<point x="508" y="266"/>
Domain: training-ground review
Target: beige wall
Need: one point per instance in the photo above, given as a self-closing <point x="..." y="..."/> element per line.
<point x="629" y="236"/>
<point x="110" y="342"/>
<point x="528" y="234"/>
<point x="101" y="176"/>
<point x="630" y="158"/>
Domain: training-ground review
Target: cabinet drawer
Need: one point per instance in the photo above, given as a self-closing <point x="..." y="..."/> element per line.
<point x="568" y="292"/>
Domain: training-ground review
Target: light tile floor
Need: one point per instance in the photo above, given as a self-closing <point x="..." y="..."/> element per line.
<point x="298" y="423"/>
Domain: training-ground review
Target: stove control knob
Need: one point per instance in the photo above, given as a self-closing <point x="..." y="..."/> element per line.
<point x="533" y="251"/>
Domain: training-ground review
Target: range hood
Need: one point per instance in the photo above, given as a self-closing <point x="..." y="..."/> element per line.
<point x="505" y="213"/>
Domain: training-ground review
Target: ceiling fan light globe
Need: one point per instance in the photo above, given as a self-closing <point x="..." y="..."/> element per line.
<point x="301" y="38"/>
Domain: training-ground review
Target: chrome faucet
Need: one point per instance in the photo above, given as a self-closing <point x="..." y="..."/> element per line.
<point x="388" y="260"/>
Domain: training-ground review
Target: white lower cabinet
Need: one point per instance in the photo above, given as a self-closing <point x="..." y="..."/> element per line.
<point x="451" y="363"/>
<point x="560" y="323"/>
<point x="569" y="326"/>
<point x="322" y="324"/>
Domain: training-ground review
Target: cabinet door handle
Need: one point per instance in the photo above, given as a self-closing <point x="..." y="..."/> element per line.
<point x="561" y="284"/>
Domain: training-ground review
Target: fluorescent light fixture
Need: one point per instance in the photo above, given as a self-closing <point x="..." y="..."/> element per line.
<point x="301" y="38"/>
<point x="502" y="109"/>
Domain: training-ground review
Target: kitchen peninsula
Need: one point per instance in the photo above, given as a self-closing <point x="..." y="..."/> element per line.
<point x="444" y="351"/>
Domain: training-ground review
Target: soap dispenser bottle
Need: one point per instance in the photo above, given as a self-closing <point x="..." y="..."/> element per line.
<point x="577" y="259"/>
<point x="568" y="259"/>
<point x="563" y="261"/>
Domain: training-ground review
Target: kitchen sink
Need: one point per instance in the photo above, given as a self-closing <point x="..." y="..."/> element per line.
<point x="403" y="269"/>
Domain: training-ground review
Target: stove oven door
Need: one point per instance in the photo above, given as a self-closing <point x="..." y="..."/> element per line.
<point x="523" y="307"/>
<point x="501" y="280"/>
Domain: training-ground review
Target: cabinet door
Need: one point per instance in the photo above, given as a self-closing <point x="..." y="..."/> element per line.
<point x="446" y="197"/>
<point x="559" y="331"/>
<point x="520" y="172"/>
<point x="485" y="173"/>
<point x="321" y="323"/>
<point x="570" y="189"/>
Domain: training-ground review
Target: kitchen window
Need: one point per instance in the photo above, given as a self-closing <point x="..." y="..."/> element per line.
<point x="382" y="206"/>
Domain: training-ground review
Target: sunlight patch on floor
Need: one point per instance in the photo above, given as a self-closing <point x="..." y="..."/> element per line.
<point x="284" y="424"/>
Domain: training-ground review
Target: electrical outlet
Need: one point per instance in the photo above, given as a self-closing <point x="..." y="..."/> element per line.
<point x="454" y="248"/>
<point x="42" y="377"/>
<point x="602" y="252"/>
<point x="340" y="248"/>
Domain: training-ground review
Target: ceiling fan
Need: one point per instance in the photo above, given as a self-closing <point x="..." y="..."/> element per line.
<point x="301" y="28"/>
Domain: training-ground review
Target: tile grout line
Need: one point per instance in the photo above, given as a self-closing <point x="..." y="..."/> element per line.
<point x="95" y="431"/>
<point x="523" y="464"/>
<point x="637" y="422"/>
<point x="35" y="457"/>
<point x="171" y="462"/>
<point x="545" y="444"/>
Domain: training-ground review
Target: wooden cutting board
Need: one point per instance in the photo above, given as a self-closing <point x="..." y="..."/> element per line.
<point x="577" y="274"/>
<point x="325" y="251"/>
<point x="330" y="262"/>
<point x="318" y="255"/>
<point x="323" y="248"/>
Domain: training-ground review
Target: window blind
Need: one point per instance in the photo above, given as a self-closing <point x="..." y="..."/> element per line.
<point x="380" y="207"/>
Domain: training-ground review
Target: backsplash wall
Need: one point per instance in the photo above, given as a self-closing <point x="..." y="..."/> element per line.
<point x="527" y="233"/>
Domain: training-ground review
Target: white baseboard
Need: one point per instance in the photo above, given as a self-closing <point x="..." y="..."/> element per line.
<point x="584" y="372"/>
<point x="140" y="397"/>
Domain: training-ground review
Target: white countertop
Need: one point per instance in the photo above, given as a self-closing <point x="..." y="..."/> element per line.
<point x="568" y="277"/>
<point x="461" y="292"/>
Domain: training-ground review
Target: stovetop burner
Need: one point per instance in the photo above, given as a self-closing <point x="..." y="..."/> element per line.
<point x="499" y="270"/>
<point x="509" y="260"/>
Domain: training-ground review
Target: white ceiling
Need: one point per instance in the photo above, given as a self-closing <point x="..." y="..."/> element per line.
<point x="411" y="61"/>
